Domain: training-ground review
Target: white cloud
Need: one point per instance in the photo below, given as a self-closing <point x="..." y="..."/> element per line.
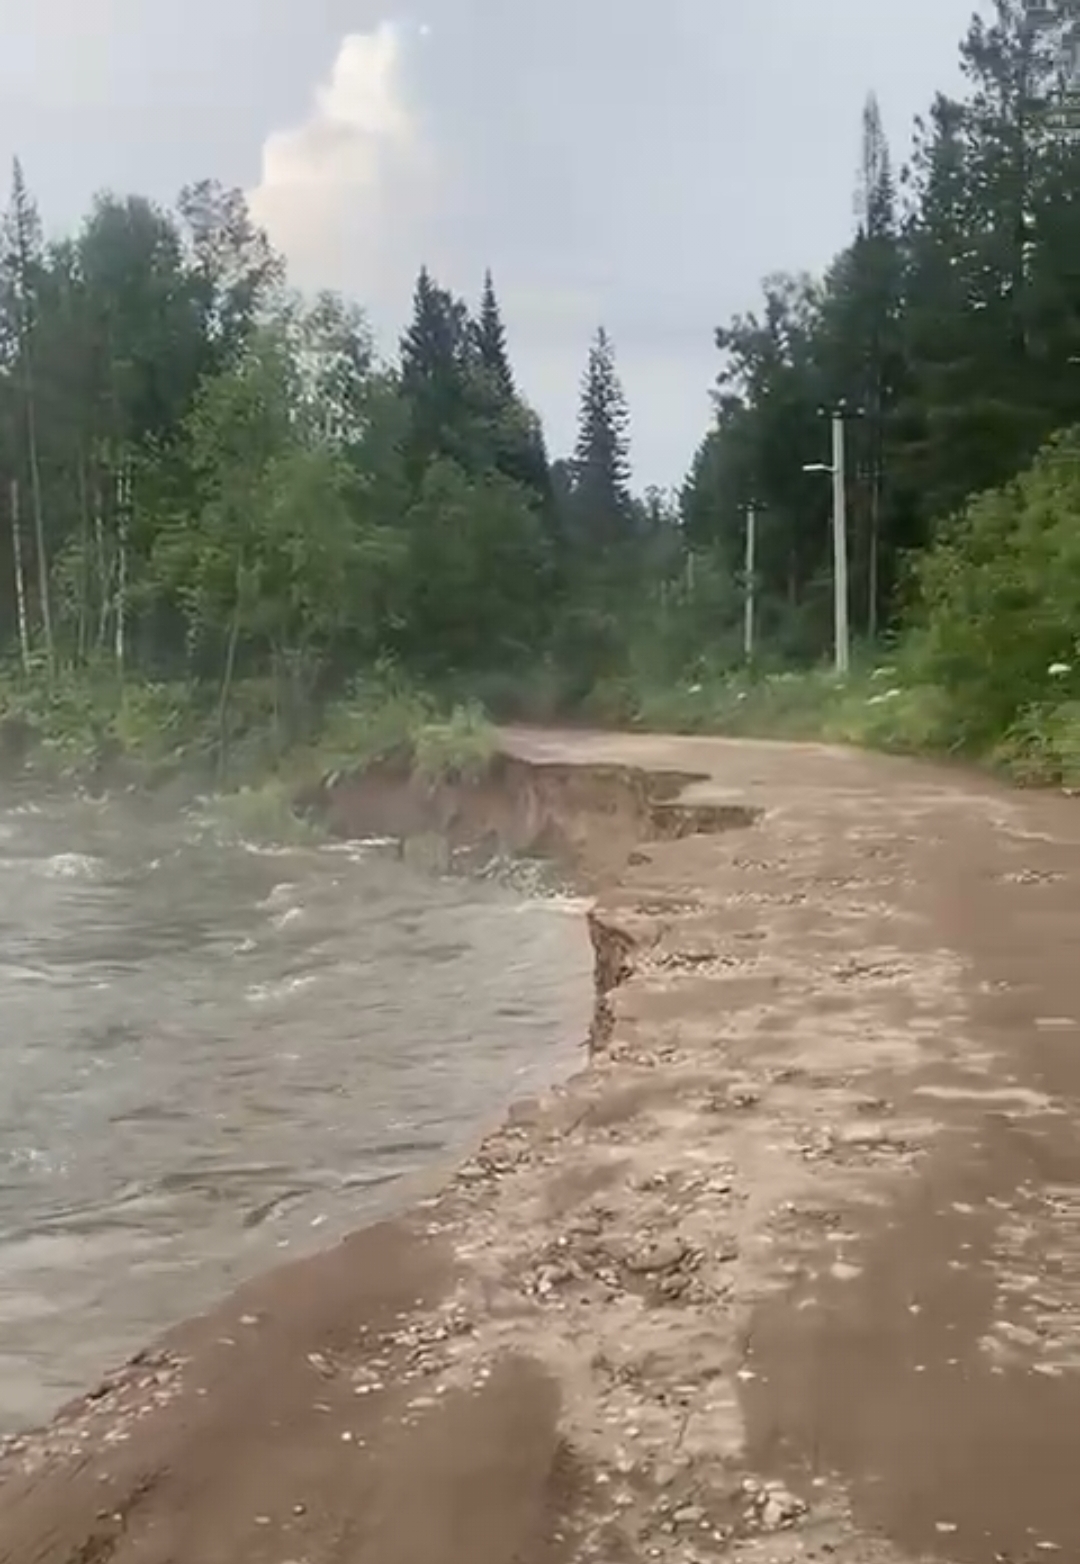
<point x="340" y="192"/>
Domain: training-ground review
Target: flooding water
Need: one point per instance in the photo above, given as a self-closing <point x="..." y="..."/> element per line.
<point x="213" y="1057"/>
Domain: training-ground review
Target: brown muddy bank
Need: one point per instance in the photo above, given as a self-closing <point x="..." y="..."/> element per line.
<point x="590" y="821"/>
<point x="588" y="818"/>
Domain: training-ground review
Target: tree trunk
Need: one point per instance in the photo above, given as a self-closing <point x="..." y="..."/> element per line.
<point x="227" y="676"/>
<point x="24" y="219"/>
<point x="83" y="632"/>
<point x="123" y="501"/>
<point x="103" y="572"/>
<point x="873" y="566"/>
<point x="20" y="578"/>
<point x="39" y="514"/>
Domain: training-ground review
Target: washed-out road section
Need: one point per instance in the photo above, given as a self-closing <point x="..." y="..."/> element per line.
<point x="790" y="1270"/>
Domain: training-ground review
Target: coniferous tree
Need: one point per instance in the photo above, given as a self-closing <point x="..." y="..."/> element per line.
<point x="491" y="340"/>
<point x="860" y="354"/>
<point x="876" y="272"/>
<point x="433" y="357"/>
<point x="508" y="427"/>
<point x="983" y="366"/>
<point x="601" y="512"/>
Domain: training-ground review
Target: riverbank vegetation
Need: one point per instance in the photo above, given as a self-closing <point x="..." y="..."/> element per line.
<point x="233" y="536"/>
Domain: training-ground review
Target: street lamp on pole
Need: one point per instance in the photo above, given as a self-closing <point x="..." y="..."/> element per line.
<point x="837" y="467"/>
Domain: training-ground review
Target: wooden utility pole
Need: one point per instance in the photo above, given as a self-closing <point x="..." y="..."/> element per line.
<point x="840" y="544"/>
<point x="749" y="583"/>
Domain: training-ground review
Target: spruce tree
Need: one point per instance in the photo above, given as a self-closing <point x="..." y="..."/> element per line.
<point x="602" y="511"/>
<point x="490" y="336"/>
<point x="873" y="301"/>
<point x="435" y="347"/>
<point x="436" y="352"/>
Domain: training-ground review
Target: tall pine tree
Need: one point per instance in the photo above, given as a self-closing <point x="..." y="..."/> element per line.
<point x="436" y="356"/>
<point x="491" y="340"/>
<point x="602" y="512"/>
<point x="860" y="353"/>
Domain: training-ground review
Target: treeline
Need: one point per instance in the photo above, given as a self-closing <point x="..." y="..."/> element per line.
<point x="950" y="325"/>
<point x="204" y="477"/>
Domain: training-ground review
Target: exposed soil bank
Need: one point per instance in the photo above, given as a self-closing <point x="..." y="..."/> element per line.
<point x="791" y="1271"/>
<point x="588" y="819"/>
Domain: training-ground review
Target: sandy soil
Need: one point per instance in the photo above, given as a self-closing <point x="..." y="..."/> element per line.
<point x="790" y="1272"/>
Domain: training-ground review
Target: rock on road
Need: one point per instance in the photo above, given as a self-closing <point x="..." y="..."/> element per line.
<point x="790" y="1272"/>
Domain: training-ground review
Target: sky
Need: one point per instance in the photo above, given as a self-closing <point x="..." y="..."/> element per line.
<point x="629" y="163"/>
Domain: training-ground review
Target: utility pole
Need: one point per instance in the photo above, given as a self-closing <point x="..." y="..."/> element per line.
<point x="748" y="586"/>
<point x="840" y="545"/>
<point x="838" y="469"/>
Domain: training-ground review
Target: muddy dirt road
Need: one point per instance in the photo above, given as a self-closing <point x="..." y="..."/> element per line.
<point x="791" y="1271"/>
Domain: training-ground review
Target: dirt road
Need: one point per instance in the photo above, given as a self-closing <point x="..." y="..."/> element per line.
<point x="791" y="1271"/>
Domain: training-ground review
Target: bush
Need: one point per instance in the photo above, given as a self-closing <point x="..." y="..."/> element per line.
<point x="883" y="714"/>
<point x="380" y="717"/>
<point x="386" y="717"/>
<point x="155" y="721"/>
<point x="86" y="717"/>
<point x="998" y="606"/>
<point x="791" y="705"/>
<point x="263" y="814"/>
<point x="460" y="749"/>
<point x="1042" y="747"/>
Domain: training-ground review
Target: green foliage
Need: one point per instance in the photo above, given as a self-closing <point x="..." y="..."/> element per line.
<point x="270" y="550"/>
<point x="999" y="599"/>
<point x="263" y="813"/>
<point x="948" y="323"/>
<point x="378" y="719"/>
<point x="386" y="717"/>
<point x="869" y="709"/>
<point x="1042" y="746"/>
<point x="781" y="705"/>
<point x="459" y="749"/>
<point x="476" y="557"/>
<point x="155" y="721"/>
<point x="83" y="721"/>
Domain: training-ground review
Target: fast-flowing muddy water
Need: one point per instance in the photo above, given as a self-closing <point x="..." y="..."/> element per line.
<point x="214" y="1057"/>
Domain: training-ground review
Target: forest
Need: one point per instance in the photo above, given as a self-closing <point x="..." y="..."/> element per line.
<point x="210" y="484"/>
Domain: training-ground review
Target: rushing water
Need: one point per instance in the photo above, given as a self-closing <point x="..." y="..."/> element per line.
<point x="214" y="1057"/>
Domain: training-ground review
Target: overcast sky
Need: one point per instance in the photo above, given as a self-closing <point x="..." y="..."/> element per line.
<point x="629" y="162"/>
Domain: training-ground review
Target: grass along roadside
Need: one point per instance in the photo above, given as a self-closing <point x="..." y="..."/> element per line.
<point x="87" y="731"/>
<point x="879" y="708"/>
